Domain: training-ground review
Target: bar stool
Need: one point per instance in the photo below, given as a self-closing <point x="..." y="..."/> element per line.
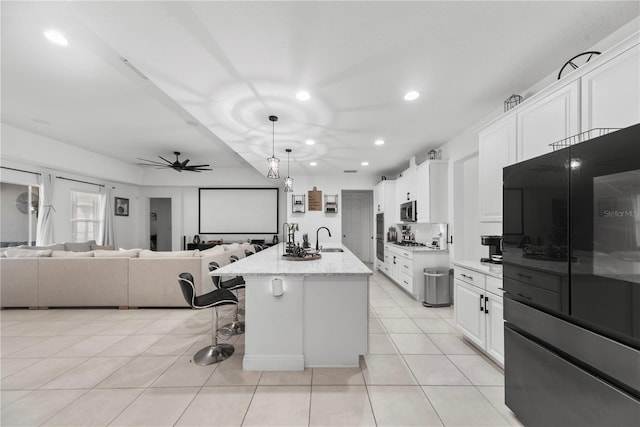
<point x="237" y="326"/>
<point x="215" y="352"/>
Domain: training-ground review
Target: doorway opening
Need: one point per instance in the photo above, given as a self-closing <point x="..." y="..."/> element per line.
<point x="357" y="223"/>
<point x="160" y="224"/>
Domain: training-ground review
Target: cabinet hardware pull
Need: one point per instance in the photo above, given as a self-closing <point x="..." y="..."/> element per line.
<point x="394" y="259"/>
<point x="524" y="296"/>
<point x="524" y="275"/>
<point x="500" y="289"/>
<point x="405" y="282"/>
<point x="406" y="266"/>
<point x="464" y="275"/>
<point x="486" y="301"/>
<point x="481" y="299"/>
<point x="407" y="196"/>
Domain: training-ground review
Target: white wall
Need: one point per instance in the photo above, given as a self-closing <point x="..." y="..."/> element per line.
<point x="309" y="221"/>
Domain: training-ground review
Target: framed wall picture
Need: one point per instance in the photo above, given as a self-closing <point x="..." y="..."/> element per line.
<point x="121" y="207"/>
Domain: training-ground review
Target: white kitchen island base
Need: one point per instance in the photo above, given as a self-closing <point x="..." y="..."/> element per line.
<point x="320" y="320"/>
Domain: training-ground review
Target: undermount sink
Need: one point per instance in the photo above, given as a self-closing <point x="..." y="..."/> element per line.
<point x="332" y="250"/>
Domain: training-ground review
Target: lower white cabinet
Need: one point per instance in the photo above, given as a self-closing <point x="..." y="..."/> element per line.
<point x="406" y="267"/>
<point x="479" y="312"/>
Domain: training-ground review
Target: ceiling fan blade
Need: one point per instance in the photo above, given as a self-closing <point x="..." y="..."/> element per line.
<point x="184" y="164"/>
<point x="150" y="162"/>
<point x="198" y="166"/>
<point x="166" y="160"/>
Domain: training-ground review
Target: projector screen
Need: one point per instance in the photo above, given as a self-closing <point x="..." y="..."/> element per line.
<point x="238" y="210"/>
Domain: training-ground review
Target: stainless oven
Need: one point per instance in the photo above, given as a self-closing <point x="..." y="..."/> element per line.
<point x="380" y="236"/>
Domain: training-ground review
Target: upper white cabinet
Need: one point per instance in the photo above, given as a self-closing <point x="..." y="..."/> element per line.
<point x="497" y="145"/>
<point x="551" y="119"/>
<point x="611" y="92"/>
<point x="385" y="201"/>
<point x="431" y="191"/>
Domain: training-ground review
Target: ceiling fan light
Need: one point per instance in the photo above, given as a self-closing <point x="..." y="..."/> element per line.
<point x="274" y="168"/>
<point x="412" y="95"/>
<point x="303" y="95"/>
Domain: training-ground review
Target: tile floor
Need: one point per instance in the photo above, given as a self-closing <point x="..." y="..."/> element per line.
<point x="81" y="367"/>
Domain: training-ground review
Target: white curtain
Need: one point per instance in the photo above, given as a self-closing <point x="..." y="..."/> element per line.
<point x="44" y="230"/>
<point x="107" y="236"/>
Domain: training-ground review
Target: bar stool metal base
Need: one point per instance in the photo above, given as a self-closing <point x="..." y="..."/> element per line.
<point x="236" y="326"/>
<point x="213" y="354"/>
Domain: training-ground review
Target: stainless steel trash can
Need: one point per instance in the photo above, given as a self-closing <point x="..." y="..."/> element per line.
<point x="437" y="287"/>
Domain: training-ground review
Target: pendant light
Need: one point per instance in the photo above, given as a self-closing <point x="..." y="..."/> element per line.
<point x="288" y="181"/>
<point x="273" y="161"/>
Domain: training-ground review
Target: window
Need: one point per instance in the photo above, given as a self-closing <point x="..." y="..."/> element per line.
<point x="85" y="216"/>
<point x="18" y="214"/>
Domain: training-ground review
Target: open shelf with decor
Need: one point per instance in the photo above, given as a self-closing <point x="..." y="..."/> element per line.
<point x="331" y="203"/>
<point x="297" y="203"/>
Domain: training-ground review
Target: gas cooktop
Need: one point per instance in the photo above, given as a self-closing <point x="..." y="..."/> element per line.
<point x="409" y="243"/>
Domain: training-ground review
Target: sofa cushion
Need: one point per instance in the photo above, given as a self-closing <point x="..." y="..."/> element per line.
<point x="212" y="251"/>
<point x="101" y="253"/>
<point x="145" y="253"/>
<point x="231" y="246"/>
<point x="27" y="253"/>
<point x="54" y="247"/>
<point x="71" y="254"/>
<point x="95" y="247"/>
<point x="79" y="246"/>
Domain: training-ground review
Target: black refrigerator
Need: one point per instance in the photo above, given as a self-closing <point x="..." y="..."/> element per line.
<point x="571" y="230"/>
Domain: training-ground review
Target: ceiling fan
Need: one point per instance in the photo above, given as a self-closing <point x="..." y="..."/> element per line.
<point x="176" y="166"/>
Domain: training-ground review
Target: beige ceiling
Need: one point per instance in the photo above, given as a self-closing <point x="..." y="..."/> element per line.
<point x="216" y="70"/>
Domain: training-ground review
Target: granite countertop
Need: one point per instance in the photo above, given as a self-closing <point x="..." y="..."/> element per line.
<point x="269" y="262"/>
<point x="494" y="270"/>
<point x="416" y="248"/>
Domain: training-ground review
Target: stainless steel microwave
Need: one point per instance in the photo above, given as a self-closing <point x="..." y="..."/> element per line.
<point x="408" y="212"/>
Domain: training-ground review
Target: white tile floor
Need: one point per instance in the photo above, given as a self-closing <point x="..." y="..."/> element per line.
<point x="80" y="367"/>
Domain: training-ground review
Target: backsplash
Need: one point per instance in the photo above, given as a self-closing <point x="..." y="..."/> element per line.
<point x="425" y="232"/>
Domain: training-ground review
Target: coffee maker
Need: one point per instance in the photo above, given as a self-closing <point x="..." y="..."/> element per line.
<point x="495" y="249"/>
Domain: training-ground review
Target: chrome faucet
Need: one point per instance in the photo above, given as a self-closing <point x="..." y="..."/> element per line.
<point x="317" y="241"/>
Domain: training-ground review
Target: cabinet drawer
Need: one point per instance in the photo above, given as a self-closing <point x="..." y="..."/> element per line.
<point x="532" y="295"/>
<point x="405" y="253"/>
<point x="406" y="281"/>
<point x="469" y="276"/>
<point x="379" y="264"/>
<point x="406" y="266"/>
<point x="494" y="285"/>
<point x="548" y="281"/>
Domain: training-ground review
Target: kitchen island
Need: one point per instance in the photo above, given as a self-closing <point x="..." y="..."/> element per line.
<point x="320" y="318"/>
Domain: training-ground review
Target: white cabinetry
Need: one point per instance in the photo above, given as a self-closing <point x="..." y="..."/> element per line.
<point x="431" y="191"/>
<point x="478" y="310"/>
<point x="497" y="145"/>
<point x="551" y="119"/>
<point x="385" y="202"/>
<point x="611" y="92"/>
<point x="406" y="267"/>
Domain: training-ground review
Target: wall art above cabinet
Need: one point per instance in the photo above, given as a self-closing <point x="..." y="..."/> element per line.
<point x="297" y="203"/>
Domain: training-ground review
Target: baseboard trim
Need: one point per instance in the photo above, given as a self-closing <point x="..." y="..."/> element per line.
<point x="277" y="362"/>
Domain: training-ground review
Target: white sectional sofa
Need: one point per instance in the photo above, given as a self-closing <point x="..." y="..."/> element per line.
<point x="107" y="278"/>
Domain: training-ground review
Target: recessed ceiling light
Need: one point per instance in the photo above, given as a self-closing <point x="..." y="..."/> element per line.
<point x="303" y="95"/>
<point x="56" y="37"/>
<point x="411" y="95"/>
<point x="309" y="142"/>
<point x="313" y="164"/>
<point x="379" y="142"/>
<point x="365" y="163"/>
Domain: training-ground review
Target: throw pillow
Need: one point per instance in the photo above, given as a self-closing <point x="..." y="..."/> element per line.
<point x="131" y="253"/>
<point x="231" y="247"/>
<point x="54" y="247"/>
<point x="95" y="247"/>
<point x="145" y="253"/>
<point x="27" y="253"/>
<point x="71" y="254"/>
<point x="79" y="246"/>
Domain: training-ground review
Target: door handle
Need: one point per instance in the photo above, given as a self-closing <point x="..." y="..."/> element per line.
<point x="481" y="299"/>
<point x="486" y="301"/>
